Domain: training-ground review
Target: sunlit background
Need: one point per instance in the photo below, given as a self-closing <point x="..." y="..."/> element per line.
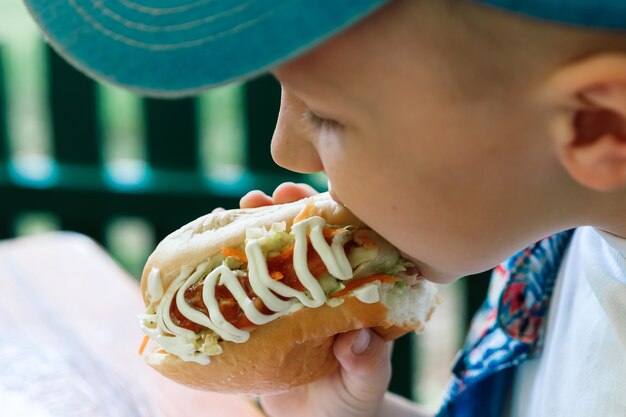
<point x="221" y="152"/>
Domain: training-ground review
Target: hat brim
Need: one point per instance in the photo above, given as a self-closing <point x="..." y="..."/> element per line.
<point x="180" y="47"/>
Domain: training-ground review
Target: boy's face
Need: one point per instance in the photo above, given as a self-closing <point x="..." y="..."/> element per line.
<point x="451" y="174"/>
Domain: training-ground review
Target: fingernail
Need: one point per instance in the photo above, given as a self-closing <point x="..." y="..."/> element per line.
<point x="361" y="342"/>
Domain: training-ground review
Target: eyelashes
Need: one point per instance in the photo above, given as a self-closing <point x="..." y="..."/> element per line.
<point x="318" y="122"/>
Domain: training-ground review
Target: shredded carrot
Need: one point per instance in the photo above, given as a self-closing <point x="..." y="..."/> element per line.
<point x="143" y="345"/>
<point x="162" y="351"/>
<point x="277" y="276"/>
<point x="236" y="253"/>
<point x="285" y="254"/>
<point x="356" y="283"/>
<point x="329" y="232"/>
<point x="307" y="211"/>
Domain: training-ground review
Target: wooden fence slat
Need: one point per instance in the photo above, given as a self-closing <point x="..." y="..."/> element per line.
<point x="6" y="227"/>
<point x="73" y="104"/>
<point x="90" y="225"/>
<point x="403" y="363"/>
<point x="262" y="101"/>
<point x="476" y="287"/>
<point x="172" y="134"/>
<point x="6" y="219"/>
<point x="4" y="114"/>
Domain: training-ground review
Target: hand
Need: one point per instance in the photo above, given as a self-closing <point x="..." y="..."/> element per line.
<point x="357" y="388"/>
<point x="286" y="192"/>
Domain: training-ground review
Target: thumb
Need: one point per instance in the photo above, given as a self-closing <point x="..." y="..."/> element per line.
<point x="365" y="365"/>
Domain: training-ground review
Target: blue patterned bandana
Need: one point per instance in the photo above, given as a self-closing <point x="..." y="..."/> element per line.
<point x="507" y="330"/>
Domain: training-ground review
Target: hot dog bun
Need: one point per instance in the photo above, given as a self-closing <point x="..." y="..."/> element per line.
<point x="294" y="349"/>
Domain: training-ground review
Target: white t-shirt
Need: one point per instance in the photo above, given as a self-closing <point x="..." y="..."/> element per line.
<point x="581" y="371"/>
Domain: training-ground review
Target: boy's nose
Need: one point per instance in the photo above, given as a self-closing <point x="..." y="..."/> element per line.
<point x="292" y="143"/>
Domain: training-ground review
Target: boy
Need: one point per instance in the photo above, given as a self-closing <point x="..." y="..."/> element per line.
<point x="462" y="134"/>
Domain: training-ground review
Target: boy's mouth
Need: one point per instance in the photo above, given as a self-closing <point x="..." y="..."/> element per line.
<point x="336" y="198"/>
<point x="408" y="257"/>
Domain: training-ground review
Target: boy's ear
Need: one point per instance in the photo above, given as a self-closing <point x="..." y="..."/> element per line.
<point x="589" y="127"/>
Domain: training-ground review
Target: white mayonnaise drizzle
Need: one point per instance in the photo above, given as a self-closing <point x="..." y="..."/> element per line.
<point x="155" y="286"/>
<point x="190" y="346"/>
<point x="367" y="294"/>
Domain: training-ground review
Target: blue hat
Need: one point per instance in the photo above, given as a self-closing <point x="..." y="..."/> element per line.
<point x="179" y="47"/>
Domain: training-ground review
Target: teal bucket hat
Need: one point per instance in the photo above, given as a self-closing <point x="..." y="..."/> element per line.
<point x="179" y="47"/>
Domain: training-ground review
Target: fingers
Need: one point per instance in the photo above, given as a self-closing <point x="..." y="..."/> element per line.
<point x="286" y="192"/>
<point x="255" y="198"/>
<point x="355" y="390"/>
<point x="365" y="364"/>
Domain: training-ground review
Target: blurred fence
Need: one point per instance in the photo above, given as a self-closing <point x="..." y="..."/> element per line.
<point x="84" y="193"/>
<point x="77" y="187"/>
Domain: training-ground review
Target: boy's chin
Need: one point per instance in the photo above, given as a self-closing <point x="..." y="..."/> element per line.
<point x="432" y="274"/>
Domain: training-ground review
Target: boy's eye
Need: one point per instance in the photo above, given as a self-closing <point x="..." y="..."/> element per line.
<point x="319" y="122"/>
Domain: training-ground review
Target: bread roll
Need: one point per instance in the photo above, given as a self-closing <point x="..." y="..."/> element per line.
<point x="295" y="348"/>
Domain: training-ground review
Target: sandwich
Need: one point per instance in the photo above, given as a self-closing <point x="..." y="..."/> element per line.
<point x="251" y="300"/>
